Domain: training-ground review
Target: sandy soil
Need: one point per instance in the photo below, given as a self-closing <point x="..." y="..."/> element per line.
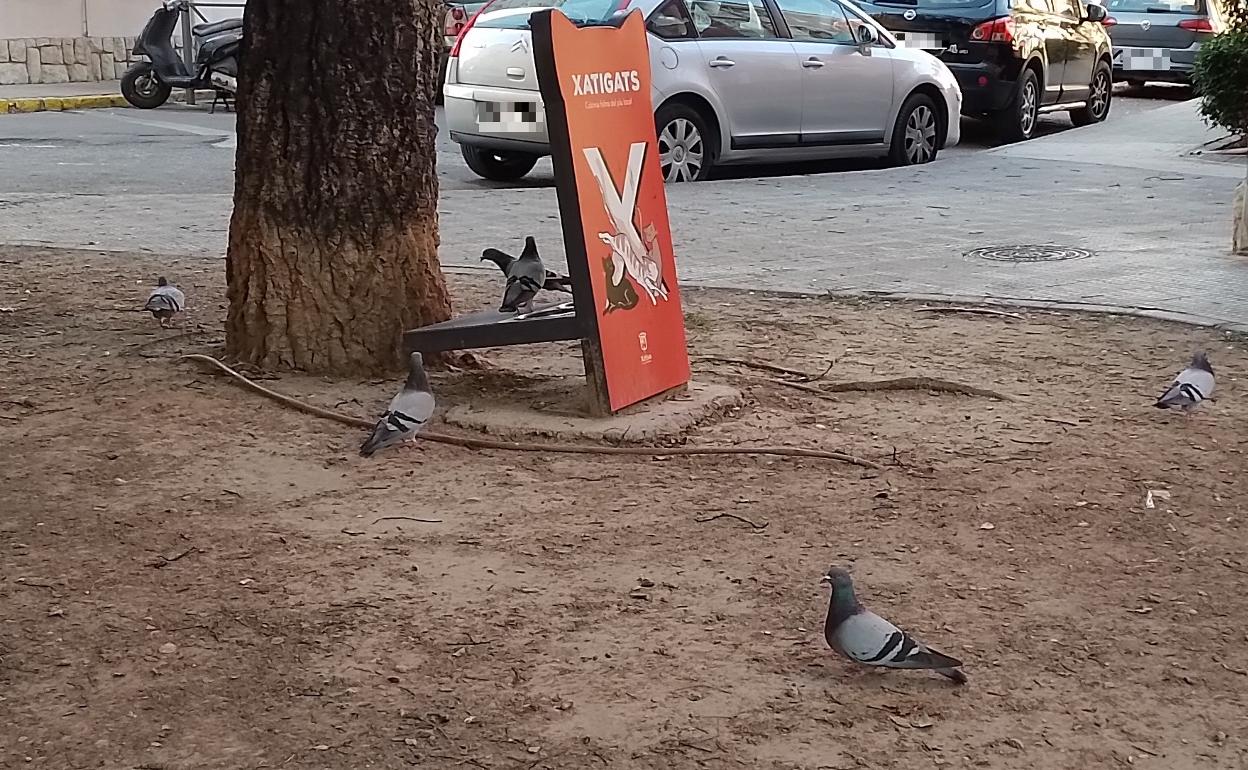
<point x="193" y="577"/>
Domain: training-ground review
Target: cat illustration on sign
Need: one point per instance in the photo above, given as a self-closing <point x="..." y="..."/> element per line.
<point x="640" y="262"/>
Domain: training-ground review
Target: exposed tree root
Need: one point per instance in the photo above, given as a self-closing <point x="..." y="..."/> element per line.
<point x="899" y="383"/>
<point x="518" y="446"/>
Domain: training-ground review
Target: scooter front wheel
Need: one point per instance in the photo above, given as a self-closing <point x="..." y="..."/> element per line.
<point x="143" y="88"/>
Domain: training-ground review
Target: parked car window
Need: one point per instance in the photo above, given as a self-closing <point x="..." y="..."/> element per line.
<point x="732" y="19"/>
<point x="821" y="21"/>
<point x="1157" y="6"/>
<point x="671" y="21"/>
<point x="581" y="11"/>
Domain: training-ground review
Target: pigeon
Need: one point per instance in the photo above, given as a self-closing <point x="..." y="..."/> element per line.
<point x="1193" y="385"/>
<point x="525" y="276"/>
<point x="165" y="301"/>
<point x="864" y="637"/>
<point x="553" y="282"/>
<point x="407" y="414"/>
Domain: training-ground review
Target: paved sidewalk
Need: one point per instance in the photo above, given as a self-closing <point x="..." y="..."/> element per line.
<point x="1157" y="221"/>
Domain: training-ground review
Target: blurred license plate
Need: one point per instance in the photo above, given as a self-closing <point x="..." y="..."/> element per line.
<point x="519" y="117"/>
<point x="927" y="41"/>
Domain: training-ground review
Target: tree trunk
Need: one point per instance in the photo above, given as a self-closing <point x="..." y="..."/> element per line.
<point x="333" y="248"/>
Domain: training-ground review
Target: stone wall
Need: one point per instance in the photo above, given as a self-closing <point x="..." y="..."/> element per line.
<point x="64" y="59"/>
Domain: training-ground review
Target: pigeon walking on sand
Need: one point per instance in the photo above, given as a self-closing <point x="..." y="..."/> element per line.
<point x="525" y="276"/>
<point x="165" y="301"/>
<point x="1193" y="385"/>
<point x="864" y="637"/>
<point x="553" y="280"/>
<point x="407" y="414"/>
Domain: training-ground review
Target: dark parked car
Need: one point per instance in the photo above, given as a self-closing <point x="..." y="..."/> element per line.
<point x="1157" y="40"/>
<point x="1014" y="59"/>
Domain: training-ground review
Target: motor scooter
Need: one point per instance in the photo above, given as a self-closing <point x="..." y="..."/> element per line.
<point x="217" y="45"/>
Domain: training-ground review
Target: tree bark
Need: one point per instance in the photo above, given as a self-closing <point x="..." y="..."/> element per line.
<point x="333" y="248"/>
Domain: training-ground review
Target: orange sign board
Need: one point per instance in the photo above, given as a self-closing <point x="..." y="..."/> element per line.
<point x="595" y="84"/>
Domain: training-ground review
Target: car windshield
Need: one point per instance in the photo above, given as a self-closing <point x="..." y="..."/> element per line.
<point x="929" y="4"/>
<point x="514" y="14"/>
<point x="1156" y="6"/>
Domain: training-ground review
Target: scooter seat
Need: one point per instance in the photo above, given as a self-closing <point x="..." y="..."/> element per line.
<point x="212" y="28"/>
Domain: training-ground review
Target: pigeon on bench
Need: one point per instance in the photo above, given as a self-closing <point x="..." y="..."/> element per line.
<point x="864" y="637"/>
<point x="525" y="276"/>
<point x="407" y="414"/>
<point x="1193" y="385"/>
<point x="552" y="282"/>
<point x="165" y="301"/>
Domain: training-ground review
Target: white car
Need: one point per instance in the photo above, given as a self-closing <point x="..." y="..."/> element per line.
<point x="734" y="81"/>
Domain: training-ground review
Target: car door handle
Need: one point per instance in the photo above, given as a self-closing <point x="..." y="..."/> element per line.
<point x="721" y="62"/>
<point x="812" y="63"/>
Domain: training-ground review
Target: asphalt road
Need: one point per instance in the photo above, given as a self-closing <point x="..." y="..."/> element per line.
<point x="179" y="149"/>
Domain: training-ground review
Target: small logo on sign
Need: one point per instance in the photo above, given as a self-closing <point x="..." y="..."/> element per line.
<point x="909" y="15"/>
<point x="1145" y="25"/>
<point x="644" y="342"/>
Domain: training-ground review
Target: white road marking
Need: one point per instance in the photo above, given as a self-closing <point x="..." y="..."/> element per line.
<point x="31" y="146"/>
<point x="229" y="139"/>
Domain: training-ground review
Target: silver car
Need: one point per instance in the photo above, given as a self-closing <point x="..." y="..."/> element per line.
<point x="734" y="81"/>
<point x="1157" y="40"/>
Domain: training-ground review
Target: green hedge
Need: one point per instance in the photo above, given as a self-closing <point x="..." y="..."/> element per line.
<point x="1221" y="79"/>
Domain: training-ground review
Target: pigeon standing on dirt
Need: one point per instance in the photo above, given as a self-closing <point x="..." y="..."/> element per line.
<point x="1193" y="385"/>
<point x="525" y="277"/>
<point x="864" y="637"/>
<point x="407" y="414"/>
<point x="553" y="280"/>
<point x="165" y="301"/>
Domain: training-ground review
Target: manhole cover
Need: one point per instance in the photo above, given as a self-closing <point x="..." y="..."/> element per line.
<point x="1047" y="253"/>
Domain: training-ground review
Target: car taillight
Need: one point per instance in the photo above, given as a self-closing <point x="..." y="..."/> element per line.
<point x="456" y="18"/>
<point x="995" y="31"/>
<point x="1196" y="25"/>
<point x="467" y="26"/>
<point x="1108" y="21"/>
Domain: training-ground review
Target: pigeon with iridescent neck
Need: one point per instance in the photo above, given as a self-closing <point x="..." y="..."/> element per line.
<point x="866" y="638"/>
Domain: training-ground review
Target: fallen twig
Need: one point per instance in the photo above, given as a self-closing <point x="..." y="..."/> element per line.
<point x="1071" y="423"/>
<point x="766" y="367"/>
<point x="975" y="310"/>
<point x="1035" y="441"/>
<point x="407" y="518"/>
<point x="733" y="516"/>
<point x="518" y="446"/>
<point x="164" y="560"/>
<point x="811" y="389"/>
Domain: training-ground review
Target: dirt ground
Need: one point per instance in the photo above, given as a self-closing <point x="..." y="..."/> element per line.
<point x="195" y="577"/>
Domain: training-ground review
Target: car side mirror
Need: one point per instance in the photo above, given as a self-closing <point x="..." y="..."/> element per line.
<point x="1095" y="12"/>
<point x="866" y="36"/>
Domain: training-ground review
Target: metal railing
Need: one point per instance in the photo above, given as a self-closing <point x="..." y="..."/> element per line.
<point x="189" y="12"/>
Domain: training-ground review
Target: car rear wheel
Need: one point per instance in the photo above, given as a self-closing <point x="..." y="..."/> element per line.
<point x="1100" y="92"/>
<point x="497" y="165"/>
<point x="916" y="136"/>
<point x="1017" y="122"/>
<point x="685" y="153"/>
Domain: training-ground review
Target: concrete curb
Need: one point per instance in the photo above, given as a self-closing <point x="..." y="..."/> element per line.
<point x="59" y="103"/>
